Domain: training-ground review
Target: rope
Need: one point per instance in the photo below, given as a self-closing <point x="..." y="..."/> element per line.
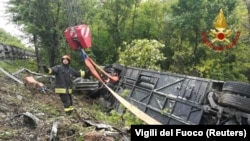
<point x="133" y="109"/>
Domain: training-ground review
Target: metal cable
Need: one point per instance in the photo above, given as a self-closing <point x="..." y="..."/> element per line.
<point x="69" y="11"/>
<point x="79" y="11"/>
<point x="74" y="12"/>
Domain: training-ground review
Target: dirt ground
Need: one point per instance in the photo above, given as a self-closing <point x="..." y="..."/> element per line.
<point x="27" y="114"/>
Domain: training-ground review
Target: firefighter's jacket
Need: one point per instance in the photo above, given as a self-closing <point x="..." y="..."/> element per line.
<point x="64" y="75"/>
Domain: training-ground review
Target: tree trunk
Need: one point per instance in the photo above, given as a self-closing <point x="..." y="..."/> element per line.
<point x="38" y="59"/>
<point x="52" y="53"/>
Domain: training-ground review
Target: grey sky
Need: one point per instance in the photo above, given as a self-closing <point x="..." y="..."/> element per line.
<point x="7" y="25"/>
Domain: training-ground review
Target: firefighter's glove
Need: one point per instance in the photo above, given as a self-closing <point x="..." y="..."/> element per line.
<point x="46" y="69"/>
<point x="83" y="56"/>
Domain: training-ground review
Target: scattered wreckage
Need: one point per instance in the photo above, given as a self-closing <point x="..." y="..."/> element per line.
<point x="31" y="81"/>
<point x="102" y="131"/>
<point x="174" y="99"/>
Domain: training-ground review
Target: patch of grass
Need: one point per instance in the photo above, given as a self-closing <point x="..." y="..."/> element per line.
<point x="6" y="135"/>
<point x="113" y="118"/>
<point x="46" y="108"/>
<point x="14" y="65"/>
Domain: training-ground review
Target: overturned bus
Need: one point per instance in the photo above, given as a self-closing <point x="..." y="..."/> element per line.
<point x="175" y="99"/>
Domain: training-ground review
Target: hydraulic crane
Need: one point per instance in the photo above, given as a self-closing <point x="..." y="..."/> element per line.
<point x="78" y="37"/>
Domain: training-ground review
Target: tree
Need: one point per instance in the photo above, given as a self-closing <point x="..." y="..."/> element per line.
<point x="188" y="21"/>
<point x="41" y="20"/>
<point x="142" y="53"/>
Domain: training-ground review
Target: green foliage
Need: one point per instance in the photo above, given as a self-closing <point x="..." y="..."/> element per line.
<point x="165" y="110"/>
<point x="97" y="111"/>
<point x="227" y="65"/>
<point x="185" y="50"/>
<point x="142" y="53"/>
<point x="117" y="119"/>
<point x="126" y="118"/>
<point x="6" y="135"/>
<point x="125" y="93"/>
<point x="14" y="65"/>
<point x="131" y="119"/>
<point x="8" y="39"/>
<point x="115" y="25"/>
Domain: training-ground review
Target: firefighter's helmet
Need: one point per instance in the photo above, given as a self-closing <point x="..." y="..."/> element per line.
<point x="66" y="57"/>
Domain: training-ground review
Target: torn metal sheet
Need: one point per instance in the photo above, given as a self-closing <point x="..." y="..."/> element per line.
<point x="34" y="120"/>
<point x="85" y="84"/>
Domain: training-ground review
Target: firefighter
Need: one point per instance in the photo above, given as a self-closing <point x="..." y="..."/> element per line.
<point x="63" y="83"/>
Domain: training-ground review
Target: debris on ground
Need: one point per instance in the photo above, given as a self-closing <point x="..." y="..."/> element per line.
<point x="27" y="113"/>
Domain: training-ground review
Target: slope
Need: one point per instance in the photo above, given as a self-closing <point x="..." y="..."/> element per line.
<point x="28" y="114"/>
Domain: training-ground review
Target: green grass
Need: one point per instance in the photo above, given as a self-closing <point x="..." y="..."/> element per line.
<point x="14" y="65"/>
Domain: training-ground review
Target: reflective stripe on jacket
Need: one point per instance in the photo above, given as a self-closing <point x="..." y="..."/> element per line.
<point x="63" y="91"/>
<point x="64" y="75"/>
